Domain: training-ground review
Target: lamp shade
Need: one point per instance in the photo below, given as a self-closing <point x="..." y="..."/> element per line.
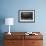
<point x="9" y="21"/>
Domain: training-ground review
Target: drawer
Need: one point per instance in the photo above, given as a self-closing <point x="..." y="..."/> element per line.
<point x="34" y="37"/>
<point x="13" y="43"/>
<point x="33" y="43"/>
<point x="16" y="37"/>
<point x="9" y="43"/>
<point x="37" y="43"/>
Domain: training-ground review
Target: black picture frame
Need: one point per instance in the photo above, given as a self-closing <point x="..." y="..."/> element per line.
<point x="26" y="16"/>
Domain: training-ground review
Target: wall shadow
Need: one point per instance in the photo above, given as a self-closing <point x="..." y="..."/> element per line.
<point x="2" y="21"/>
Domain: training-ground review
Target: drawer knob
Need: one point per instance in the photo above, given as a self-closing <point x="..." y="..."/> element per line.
<point x="33" y="42"/>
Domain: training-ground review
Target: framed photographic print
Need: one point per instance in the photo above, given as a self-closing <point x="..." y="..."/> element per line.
<point x="26" y="16"/>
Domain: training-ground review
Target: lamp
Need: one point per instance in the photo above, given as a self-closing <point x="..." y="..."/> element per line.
<point x="9" y="21"/>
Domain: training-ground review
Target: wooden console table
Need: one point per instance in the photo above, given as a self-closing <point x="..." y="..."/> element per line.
<point x="20" y="39"/>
